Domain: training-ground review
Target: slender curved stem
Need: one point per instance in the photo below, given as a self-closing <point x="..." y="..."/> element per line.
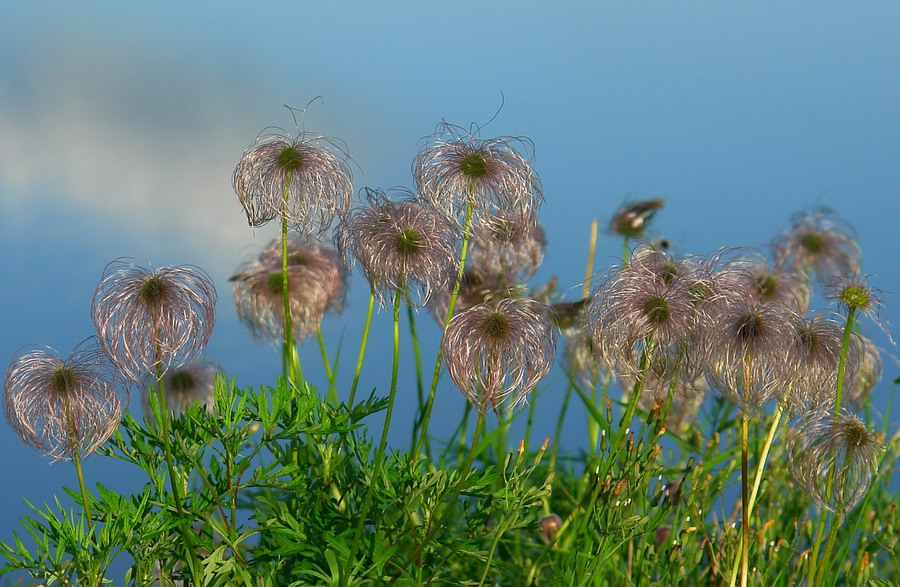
<point x="816" y="575"/>
<point x="423" y="436"/>
<point x="186" y="531"/>
<point x="757" y="480"/>
<point x="382" y="445"/>
<point x="625" y="423"/>
<point x="362" y="350"/>
<point x="76" y="456"/>
<point x="290" y="360"/>
<point x="420" y="385"/>
<point x="329" y="372"/>
<point x="745" y="499"/>
<point x="592" y="251"/>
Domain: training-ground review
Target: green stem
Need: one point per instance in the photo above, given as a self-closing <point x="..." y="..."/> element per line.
<point x="362" y="350"/>
<point x="420" y="385"/>
<point x="745" y="499"/>
<point x="423" y="436"/>
<point x="625" y="423"/>
<point x="816" y="576"/>
<point x="559" y="424"/>
<point x="290" y="361"/>
<point x="382" y="445"/>
<point x="326" y="362"/>
<point x="76" y="456"/>
<point x="186" y="530"/>
<point x="757" y="480"/>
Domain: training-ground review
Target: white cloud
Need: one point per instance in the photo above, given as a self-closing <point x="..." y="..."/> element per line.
<point x="134" y="139"/>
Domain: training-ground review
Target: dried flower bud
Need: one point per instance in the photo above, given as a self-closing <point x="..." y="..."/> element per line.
<point x="549" y="526"/>
<point x="632" y="218"/>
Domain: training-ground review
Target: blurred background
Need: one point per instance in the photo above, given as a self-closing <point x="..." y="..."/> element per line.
<point x="121" y="124"/>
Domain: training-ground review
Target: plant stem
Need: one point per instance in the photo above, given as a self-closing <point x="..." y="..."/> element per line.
<point x="625" y="422"/>
<point x="816" y="576"/>
<point x="757" y="480"/>
<point x="745" y="499"/>
<point x="290" y="361"/>
<point x="186" y="530"/>
<point x="592" y="251"/>
<point x="420" y="385"/>
<point x="76" y="456"/>
<point x="423" y="435"/>
<point x="382" y="445"/>
<point x="362" y="350"/>
<point x="330" y="373"/>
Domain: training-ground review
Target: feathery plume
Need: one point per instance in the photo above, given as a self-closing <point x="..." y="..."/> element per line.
<point x="152" y="318"/>
<point x="61" y="406"/>
<point x="499" y="349"/>
<point x="456" y="168"/>
<point x="403" y="244"/>
<point x="317" y="283"/>
<point x="304" y="179"/>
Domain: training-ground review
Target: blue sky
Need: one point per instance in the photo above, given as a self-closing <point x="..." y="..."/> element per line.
<point x="120" y="125"/>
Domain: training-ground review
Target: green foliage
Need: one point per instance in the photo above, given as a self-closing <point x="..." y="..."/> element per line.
<point x="274" y="481"/>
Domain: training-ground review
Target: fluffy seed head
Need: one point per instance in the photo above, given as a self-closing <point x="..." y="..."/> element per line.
<point x="499" y="349"/>
<point x="456" y="167"/>
<point x="304" y="179"/>
<point x="822" y="443"/>
<point x="506" y="248"/>
<point x="664" y="375"/>
<point x="194" y="382"/>
<point x="818" y="242"/>
<point x="580" y="362"/>
<point x="648" y="305"/>
<point x="817" y="354"/>
<point x="147" y="318"/>
<point x="751" y="274"/>
<point x="868" y="374"/>
<point x="317" y="283"/>
<point x="403" y="244"/>
<point x="747" y="348"/>
<point x="59" y="406"/>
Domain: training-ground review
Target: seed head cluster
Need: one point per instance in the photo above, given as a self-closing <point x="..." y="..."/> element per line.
<point x="317" y="283"/>
<point x="401" y="245"/>
<point x="59" y="406"/>
<point x="150" y="319"/>
<point x="646" y="310"/>
<point x="304" y="180"/>
<point x="499" y="350"/>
